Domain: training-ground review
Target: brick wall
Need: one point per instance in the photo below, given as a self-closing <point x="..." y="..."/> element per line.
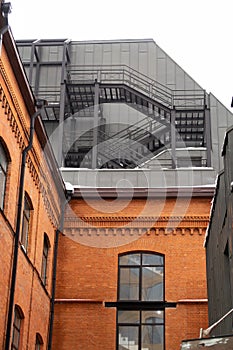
<point x="88" y="274"/>
<point x="30" y="293"/>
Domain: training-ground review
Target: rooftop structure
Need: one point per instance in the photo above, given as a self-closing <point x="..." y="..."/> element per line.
<point x="125" y="105"/>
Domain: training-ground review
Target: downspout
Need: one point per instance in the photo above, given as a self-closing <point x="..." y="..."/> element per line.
<point x="54" y="277"/>
<point x="18" y="225"/>
<point x="58" y="231"/>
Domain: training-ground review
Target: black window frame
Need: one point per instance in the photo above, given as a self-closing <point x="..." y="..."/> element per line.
<point x="45" y="256"/>
<point x="139" y="305"/>
<point x="39" y="342"/>
<point x="16" y="328"/>
<point x="4" y="170"/>
<point x="26" y="222"/>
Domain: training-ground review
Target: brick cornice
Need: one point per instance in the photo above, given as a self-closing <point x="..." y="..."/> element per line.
<point x="138" y="220"/>
<point x="39" y="178"/>
<point x="187" y="225"/>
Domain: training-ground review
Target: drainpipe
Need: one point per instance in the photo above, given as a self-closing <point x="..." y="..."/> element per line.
<point x="40" y="104"/>
<point x="69" y="193"/>
<point x="58" y="231"/>
<point x="5" y="9"/>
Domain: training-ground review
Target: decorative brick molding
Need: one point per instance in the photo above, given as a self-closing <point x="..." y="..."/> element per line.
<point x="50" y="205"/>
<point x="112" y="226"/>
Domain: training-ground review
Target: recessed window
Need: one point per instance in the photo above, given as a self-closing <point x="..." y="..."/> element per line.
<point x="140" y="324"/>
<point x="141" y="277"/>
<point x="17" y="326"/>
<point x="45" y="255"/>
<point x="39" y="342"/>
<point x="26" y="222"/>
<point x="3" y="174"/>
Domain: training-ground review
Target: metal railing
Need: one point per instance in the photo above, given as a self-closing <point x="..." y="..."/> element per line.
<point x="122" y="74"/>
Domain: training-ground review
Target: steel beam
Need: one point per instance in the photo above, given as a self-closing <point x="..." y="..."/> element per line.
<point x="95" y="126"/>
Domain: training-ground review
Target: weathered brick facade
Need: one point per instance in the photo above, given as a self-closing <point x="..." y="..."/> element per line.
<point x="95" y="233"/>
<point x="31" y="295"/>
<point x="87" y="275"/>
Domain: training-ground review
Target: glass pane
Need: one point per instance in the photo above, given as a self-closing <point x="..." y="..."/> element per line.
<point x="15" y="340"/>
<point x="127" y="316"/>
<point x="128" y="338"/>
<point x="152" y="283"/>
<point x="43" y="269"/>
<point x="24" y="235"/>
<point x="3" y="159"/>
<point x="26" y="210"/>
<point x="130" y="259"/>
<point x="152" y="259"/>
<point x="129" y="284"/>
<point x="150" y="316"/>
<point x="2" y="187"/>
<point x="152" y="337"/>
<point x="17" y="319"/>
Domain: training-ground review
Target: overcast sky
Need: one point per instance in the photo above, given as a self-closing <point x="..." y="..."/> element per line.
<point x="197" y="34"/>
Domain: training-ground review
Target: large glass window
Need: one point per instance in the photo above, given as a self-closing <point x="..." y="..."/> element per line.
<point x="140" y="323"/>
<point x="141" y="277"/>
<point x="26" y="222"/>
<point x="3" y="173"/>
<point x="45" y="255"/>
<point x="17" y="326"/>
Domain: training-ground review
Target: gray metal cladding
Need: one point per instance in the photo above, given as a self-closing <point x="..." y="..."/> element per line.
<point x="143" y="56"/>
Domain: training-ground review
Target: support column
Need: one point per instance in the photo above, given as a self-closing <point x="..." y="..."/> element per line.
<point x="173" y="137"/>
<point x="208" y="137"/>
<point x="62" y="107"/>
<point x="61" y="125"/>
<point x="95" y="126"/>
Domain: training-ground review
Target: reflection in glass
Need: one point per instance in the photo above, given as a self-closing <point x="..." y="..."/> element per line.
<point x="152" y="337"/>
<point x="130" y="259"/>
<point x="152" y="259"/>
<point x="152" y="283"/>
<point x="153" y="316"/>
<point x="129" y="284"/>
<point x="141" y="280"/>
<point x="128" y="338"/>
<point x="129" y="316"/>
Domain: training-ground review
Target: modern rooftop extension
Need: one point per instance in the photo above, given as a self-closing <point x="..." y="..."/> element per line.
<point x="125" y="105"/>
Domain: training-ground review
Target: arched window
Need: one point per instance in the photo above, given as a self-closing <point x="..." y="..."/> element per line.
<point x="26" y="221"/>
<point x="140" y="310"/>
<point x="17" y="327"/>
<point x="45" y="254"/>
<point x="3" y="174"/>
<point x="39" y="342"/>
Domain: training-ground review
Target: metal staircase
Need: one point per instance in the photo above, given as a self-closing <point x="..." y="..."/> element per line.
<point x="121" y="84"/>
<point x="71" y="91"/>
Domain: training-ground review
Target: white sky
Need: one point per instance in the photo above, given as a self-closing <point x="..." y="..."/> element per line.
<point x="197" y="34"/>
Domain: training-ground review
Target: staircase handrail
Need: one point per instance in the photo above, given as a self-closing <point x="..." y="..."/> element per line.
<point x="123" y="74"/>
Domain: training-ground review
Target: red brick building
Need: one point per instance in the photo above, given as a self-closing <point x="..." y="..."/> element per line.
<point x="88" y="305"/>
<point x="129" y="272"/>
<point x="41" y="203"/>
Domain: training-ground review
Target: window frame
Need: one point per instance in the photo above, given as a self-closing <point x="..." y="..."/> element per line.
<point x="140" y="268"/>
<point x="45" y="257"/>
<point x="139" y="305"/>
<point x="39" y="342"/>
<point x="17" y="329"/>
<point x="26" y="222"/>
<point x="4" y="170"/>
